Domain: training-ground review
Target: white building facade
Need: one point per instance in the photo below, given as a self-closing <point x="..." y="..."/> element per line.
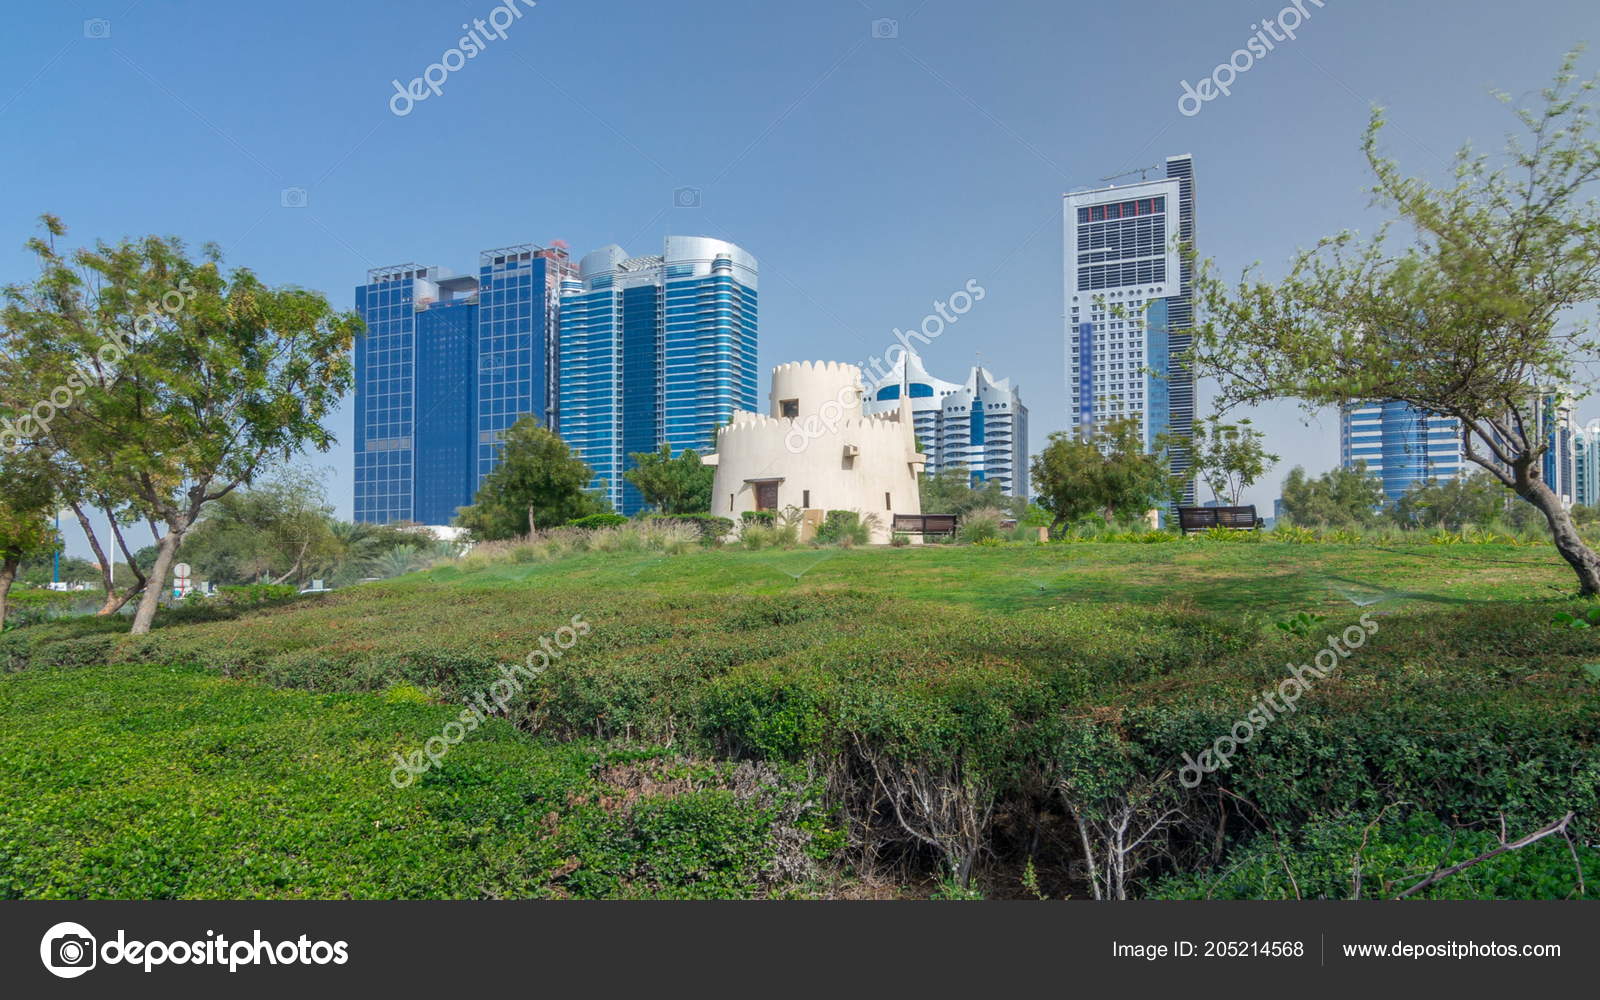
<point x="1586" y="464"/>
<point x="978" y="424"/>
<point x="1129" y="305"/>
<point x="815" y="451"/>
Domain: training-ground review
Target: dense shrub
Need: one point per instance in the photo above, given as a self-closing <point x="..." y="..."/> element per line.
<point x="981" y="525"/>
<point x="843" y="527"/>
<point x="1380" y="857"/>
<point x="758" y="534"/>
<point x="765" y="517"/>
<point x="248" y="594"/>
<point x="286" y="794"/>
<point x="603" y="520"/>
<point x="29" y="606"/>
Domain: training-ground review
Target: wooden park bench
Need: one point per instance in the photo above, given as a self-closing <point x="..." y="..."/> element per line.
<point x="1203" y="518"/>
<point x="924" y="524"/>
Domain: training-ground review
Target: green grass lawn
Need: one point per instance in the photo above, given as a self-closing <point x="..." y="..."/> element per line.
<point x="1240" y="577"/>
<point x="247" y="752"/>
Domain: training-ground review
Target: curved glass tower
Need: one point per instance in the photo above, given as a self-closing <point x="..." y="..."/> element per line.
<point x="1401" y="445"/>
<point x="655" y="349"/>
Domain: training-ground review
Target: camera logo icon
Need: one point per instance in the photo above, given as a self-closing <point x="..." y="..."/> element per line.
<point x="68" y="950"/>
<point x="885" y="27"/>
<point x="97" y="27"/>
<point x="294" y="197"/>
<point x="686" y="197"/>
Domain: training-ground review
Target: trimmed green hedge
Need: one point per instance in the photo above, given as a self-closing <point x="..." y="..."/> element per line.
<point x="138" y="782"/>
<point x="592" y="521"/>
<point x="1396" y="851"/>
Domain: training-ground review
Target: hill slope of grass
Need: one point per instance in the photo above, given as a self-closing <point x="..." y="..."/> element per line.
<point x="969" y="710"/>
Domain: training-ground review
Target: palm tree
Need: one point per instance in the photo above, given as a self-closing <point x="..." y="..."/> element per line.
<point x="399" y="561"/>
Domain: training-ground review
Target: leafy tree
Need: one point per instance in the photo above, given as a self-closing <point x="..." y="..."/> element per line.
<point x="1109" y="472"/>
<point x="272" y="532"/>
<point x="954" y="491"/>
<point x="1478" y="499"/>
<point x="1228" y="458"/>
<point x="679" y="485"/>
<point x="1473" y="318"/>
<point x="538" y="483"/>
<point x="1339" y="498"/>
<point x="1035" y="516"/>
<point x="39" y="569"/>
<point x="1134" y="480"/>
<point x="178" y="381"/>
<point x="1065" y="478"/>
<point x="26" y="508"/>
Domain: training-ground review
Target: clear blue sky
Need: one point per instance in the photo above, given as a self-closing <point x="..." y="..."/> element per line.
<point x="870" y="175"/>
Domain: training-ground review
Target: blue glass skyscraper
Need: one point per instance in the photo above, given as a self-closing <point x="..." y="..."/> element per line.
<point x="385" y="395"/>
<point x="447" y="384"/>
<point x="519" y="308"/>
<point x="655" y="349"/>
<point x="1400" y="444"/>
<point x="446" y="365"/>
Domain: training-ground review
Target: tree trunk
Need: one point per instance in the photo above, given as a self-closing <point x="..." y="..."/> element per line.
<point x="8" y="575"/>
<point x="114" y="601"/>
<point x="296" y="567"/>
<point x="166" y="550"/>
<point x="1569" y="543"/>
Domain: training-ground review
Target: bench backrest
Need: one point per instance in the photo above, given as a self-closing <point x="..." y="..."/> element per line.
<point x="925" y="524"/>
<point x="1201" y="518"/>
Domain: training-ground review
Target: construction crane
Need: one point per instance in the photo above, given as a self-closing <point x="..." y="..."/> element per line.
<point x="1141" y="171"/>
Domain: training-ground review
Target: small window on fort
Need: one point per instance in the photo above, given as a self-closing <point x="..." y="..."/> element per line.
<point x="789" y="407"/>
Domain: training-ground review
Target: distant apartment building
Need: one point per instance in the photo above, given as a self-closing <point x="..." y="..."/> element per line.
<point x="978" y="424"/>
<point x="1553" y="415"/>
<point x="1586" y="466"/>
<point x="1401" y="445"/>
<point x="1404" y="446"/>
<point x="446" y="364"/>
<point x="1129" y="305"/>
<point x="655" y="349"/>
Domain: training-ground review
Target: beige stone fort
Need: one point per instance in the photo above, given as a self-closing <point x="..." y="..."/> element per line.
<point x="817" y="451"/>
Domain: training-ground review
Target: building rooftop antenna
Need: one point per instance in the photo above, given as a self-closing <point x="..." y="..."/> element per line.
<point x="1141" y="171"/>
